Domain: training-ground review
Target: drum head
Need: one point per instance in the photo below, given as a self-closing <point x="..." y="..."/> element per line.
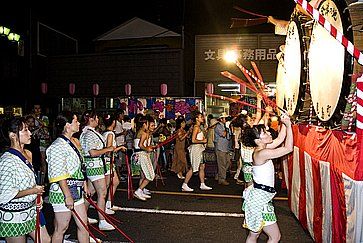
<point x="293" y="63"/>
<point x="326" y="64"/>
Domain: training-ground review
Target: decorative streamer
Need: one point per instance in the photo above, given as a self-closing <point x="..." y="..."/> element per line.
<point x="332" y="30"/>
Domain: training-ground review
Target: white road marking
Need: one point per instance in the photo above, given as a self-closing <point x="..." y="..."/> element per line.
<point x="179" y="212"/>
<point x="203" y="194"/>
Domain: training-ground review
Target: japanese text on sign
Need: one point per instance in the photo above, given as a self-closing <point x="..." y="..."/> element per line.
<point x="259" y="54"/>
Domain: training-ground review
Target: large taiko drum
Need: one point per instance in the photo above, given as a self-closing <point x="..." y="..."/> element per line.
<point x="329" y="64"/>
<point x="295" y="65"/>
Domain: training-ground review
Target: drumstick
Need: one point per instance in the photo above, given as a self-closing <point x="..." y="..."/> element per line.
<point x="245" y="71"/>
<point x="253" y="89"/>
<point x="239" y="22"/>
<point x="240" y="81"/>
<point x="238" y="101"/>
<point x="248" y="73"/>
<point x="332" y="30"/>
<point x="257" y="71"/>
<point x="249" y="12"/>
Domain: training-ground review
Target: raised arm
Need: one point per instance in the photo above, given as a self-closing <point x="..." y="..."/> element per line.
<point x="265" y="154"/>
<point x="258" y="111"/>
<point x="280" y="138"/>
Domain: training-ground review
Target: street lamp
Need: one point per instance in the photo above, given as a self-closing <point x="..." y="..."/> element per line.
<point x="4" y="31"/>
<point x="14" y="37"/>
<point x="231" y="56"/>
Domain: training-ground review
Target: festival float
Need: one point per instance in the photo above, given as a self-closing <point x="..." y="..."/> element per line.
<point x="319" y="85"/>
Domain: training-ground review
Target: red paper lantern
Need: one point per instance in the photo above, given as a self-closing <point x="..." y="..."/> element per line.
<point x="44" y="88"/>
<point x="210" y="88"/>
<point x="242" y="88"/>
<point x="164" y="89"/>
<point x="72" y="88"/>
<point x="128" y="89"/>
<point x="96" y="89"/>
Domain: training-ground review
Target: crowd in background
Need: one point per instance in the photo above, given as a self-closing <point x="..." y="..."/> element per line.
<point x="87" y="154"/>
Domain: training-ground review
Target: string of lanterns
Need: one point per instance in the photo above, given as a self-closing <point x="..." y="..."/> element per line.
<point x="96" y="89"/>
<point x="4" y="31"/>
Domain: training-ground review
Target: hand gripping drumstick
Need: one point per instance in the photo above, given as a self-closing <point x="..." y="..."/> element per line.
<point x="37" y="222"/>
<point x="40" y="180"/>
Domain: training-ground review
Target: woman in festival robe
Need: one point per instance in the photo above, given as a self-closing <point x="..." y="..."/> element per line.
<point x="66" y="175"/>
<point x="18" y="188"/>
<point x="95" y="149"/>
<point x="110" y="139"/>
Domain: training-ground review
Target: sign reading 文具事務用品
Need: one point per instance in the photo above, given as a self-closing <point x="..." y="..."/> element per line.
<point x="260" y="48"/>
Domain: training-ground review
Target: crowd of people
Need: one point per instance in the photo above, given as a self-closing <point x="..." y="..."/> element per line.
<point x="84" y="155"/>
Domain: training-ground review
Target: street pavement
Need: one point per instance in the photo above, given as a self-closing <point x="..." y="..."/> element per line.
<point x="174" y="216"/>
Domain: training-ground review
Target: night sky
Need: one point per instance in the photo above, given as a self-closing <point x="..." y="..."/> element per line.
<point x="86" y="21"/>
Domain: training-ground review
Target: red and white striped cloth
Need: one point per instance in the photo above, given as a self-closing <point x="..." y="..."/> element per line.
<point x="355" y="52"/>
<point x="325" y="193"/>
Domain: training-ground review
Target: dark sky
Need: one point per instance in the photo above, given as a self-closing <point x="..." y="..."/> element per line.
<point x="85" y="20"/>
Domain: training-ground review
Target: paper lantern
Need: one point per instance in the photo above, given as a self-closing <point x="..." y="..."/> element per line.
<point x="72" y="88"/>
<point x="44" y="88"/>
<point x="164" y="89"/>
<point x="242" y="88"/>
<point x="96" y="89"/>
<point x="128" y="89"/>
<point x="210" y="88"/>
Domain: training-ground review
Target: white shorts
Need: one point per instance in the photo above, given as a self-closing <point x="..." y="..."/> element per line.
<point x="96" y="177"/>
<point x="58" y="208"/>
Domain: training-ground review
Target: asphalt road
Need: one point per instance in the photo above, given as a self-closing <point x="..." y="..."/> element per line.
<point x="162" y="218"/>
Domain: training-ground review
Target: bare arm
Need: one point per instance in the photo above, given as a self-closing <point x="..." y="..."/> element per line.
<point x="264" y="155"/>
<point x="279" y="22"/>
<point x="259" y="111"/>
<point x="99" y="152"/>
<point x="31" y="191"/>
<point x="68" y="200"/>
<point x="280" y="138"/>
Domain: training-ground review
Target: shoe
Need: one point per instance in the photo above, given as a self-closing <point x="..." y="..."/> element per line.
<point x="91" y="240"/>
<point x="109" y="211"/>
<point x="116" y="208"/>
<point x="186" y="188"/>
<point x="91" y="206"/>
<point x="239" y="182"/>
<point x="92" y="221"/>
<point x="146" y="196"/>
<point x="103" y="225"/>
<point x="146" y="191"/>
<point x="223" y="183"/>
<point x="139" y="195"/>
<point x="205" y="187"/>
<point x="180" y="177"/>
